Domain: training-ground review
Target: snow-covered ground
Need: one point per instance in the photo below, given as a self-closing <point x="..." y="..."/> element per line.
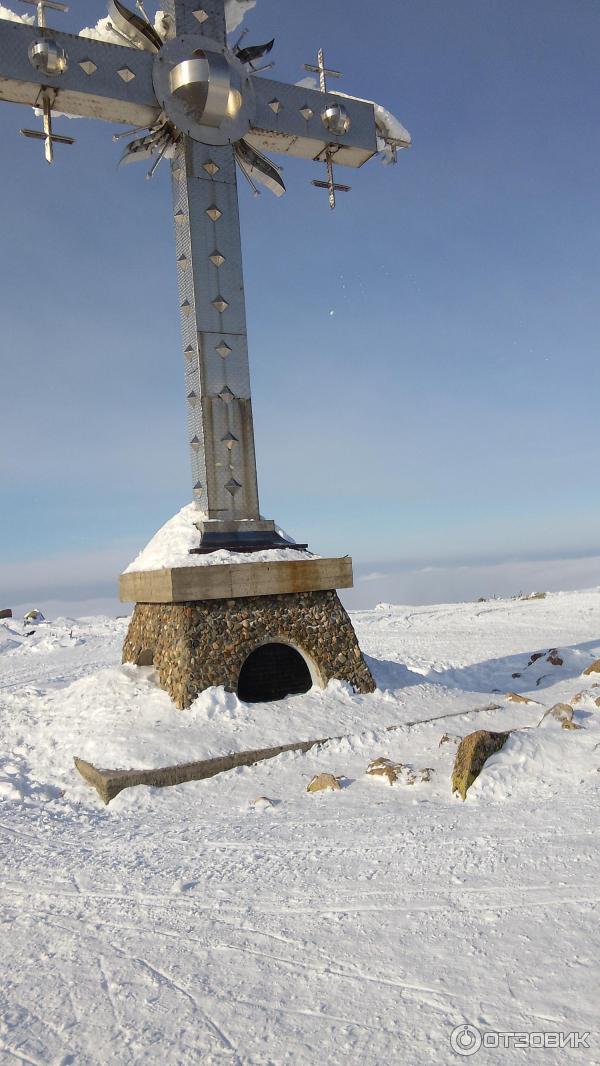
<point x="360" y="926"/>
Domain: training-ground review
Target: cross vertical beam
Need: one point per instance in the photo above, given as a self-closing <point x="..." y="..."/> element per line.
<point x="213" y="323"/>
<point x="213" y="313"/>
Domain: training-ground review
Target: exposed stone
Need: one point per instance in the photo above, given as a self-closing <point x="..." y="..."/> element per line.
<point x="426" y="773"/>
<point x="534" y="658"/>
<point x="324" y="783"/>
<point x="388" y="773"/>
<point x="473" y="752"/>
<point x="593" y="668"/>
<point x="568" y="724"/>
<point x="198" y="644"/>
<point x="554" y="658"/>
<point x="579" y="696"/>
<point x="449" y="738"/>
<point x="385" y="769"/>
<point x="261" y="803"/>
<point x="561" y="712"/>
<point x="514" y="697"/>
<point x="6" y="613"/>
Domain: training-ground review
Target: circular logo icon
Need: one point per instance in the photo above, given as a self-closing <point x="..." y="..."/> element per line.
<point x="465" y="1040"/>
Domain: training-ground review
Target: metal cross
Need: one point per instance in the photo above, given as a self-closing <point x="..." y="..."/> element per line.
<point x="320" y="69"/>
<point x="334" y="118"/>
<point x="48" y="136"/>
<point x="203" y="105"/>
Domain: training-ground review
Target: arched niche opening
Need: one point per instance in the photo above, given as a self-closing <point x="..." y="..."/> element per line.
<point x="272" y="672"/>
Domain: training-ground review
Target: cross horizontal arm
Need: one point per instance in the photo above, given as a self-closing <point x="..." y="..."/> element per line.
<point x="101" y="81"/>
<point x="288" y="120"/>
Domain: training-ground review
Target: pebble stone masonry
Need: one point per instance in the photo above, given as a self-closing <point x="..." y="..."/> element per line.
<point x="198" y="644"/>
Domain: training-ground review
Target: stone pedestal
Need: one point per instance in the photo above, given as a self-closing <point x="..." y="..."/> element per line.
<point x="196" y="644"/>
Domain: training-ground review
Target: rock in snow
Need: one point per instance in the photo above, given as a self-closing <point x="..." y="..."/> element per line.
<point x="385" y="769"/>
<point x="561" y="712"/>
<point x="261" y="803"/>
<point x="515" y="697"/>
<point x="473" y="752"/>
<point x="324" y="783"/>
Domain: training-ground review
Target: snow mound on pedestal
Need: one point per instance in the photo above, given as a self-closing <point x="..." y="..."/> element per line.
<point x="171" y="547"/>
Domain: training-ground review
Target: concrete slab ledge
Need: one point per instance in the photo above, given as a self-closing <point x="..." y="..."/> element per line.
<point x="184" y="584"/>
<point x="108" y="783"/>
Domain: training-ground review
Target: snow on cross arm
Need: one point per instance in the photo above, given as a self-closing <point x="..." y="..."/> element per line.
<point x="235" y="13"/>
<point x="11" y="16"/>
<point x="391" y="134"/>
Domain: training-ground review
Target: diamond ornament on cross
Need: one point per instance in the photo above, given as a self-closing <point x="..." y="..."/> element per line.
<point x="202" y="105"/>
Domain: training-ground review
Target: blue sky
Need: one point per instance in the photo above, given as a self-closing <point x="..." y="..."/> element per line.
<point x="443" y="414"/>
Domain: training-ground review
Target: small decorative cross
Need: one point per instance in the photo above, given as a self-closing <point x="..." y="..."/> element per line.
<point x="41" y="5"/>
<point x="331" y="185"/>
<point x="47" y="58"/>
<point x="320" y="69"/>
<point x="334" y="118"/>
<point x="47" y="135"/>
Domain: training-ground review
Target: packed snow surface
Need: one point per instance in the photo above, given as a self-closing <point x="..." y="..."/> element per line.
<point x="171" y="546"/>
<point x="243" y="920"/>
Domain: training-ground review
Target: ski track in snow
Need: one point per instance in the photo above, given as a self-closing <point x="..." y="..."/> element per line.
<point x="181" y="925"/>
